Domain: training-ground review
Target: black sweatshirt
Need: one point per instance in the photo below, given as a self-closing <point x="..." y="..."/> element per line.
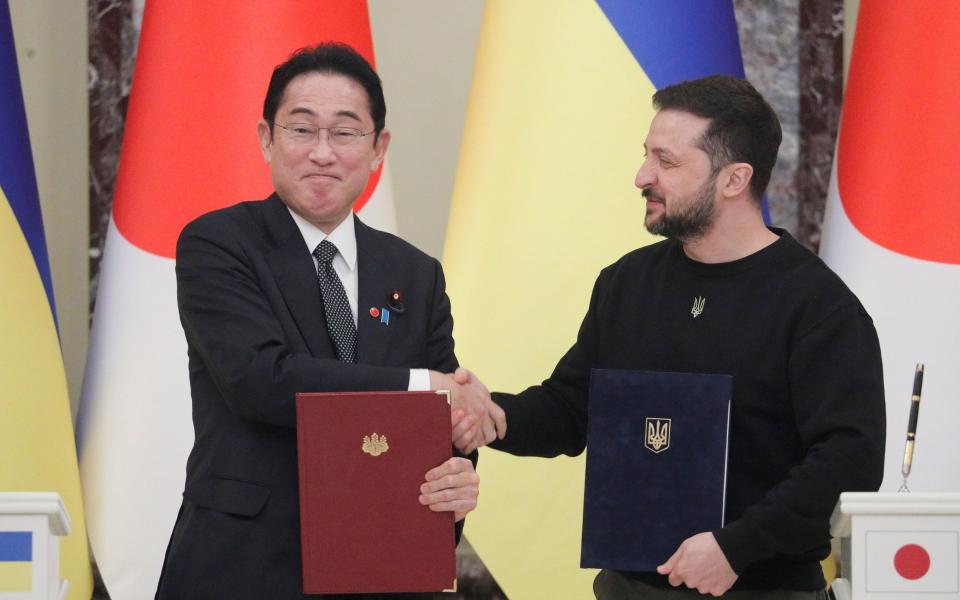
<point x="807" y="416"/>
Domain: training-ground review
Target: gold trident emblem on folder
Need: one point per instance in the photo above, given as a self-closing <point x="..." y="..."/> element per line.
<point x="657" y="436"/>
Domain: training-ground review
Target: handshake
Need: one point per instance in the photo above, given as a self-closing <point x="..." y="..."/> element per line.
<point x="476" y="418"/>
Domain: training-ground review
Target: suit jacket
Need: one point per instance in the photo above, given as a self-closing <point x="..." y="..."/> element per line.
<point x="251" y="310"/>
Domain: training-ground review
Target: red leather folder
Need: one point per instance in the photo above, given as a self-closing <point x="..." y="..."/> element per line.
<point x="362" y="458"/>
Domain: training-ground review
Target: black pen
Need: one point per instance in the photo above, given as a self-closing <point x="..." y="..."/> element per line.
<point x="912" y="425"/>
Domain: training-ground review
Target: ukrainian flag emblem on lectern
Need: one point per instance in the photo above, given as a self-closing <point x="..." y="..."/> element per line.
<point x="16" y="561"/>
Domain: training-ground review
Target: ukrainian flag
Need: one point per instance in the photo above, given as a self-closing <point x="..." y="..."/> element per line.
<point x="16" y="561"/>
<point x="37" y="451"/>
<point x="543" y="200"/>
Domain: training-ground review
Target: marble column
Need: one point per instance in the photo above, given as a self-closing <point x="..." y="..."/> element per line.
<point x="110" y="71"/>
<point x="793" y="53"/>
<point x="821" y="96"/>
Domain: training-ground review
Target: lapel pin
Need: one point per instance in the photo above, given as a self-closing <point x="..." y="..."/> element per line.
<point x="385" y="316"/>
<point x="395" y="302"/>
<point x="374" y="312"/>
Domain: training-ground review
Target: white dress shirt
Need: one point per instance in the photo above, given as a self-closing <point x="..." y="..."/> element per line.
<point x="344" y="237"/>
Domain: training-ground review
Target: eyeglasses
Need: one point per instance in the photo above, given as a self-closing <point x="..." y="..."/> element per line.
<point x="304" y="133"/>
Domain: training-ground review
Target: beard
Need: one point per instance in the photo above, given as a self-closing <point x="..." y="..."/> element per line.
<point x="691" y="221"/>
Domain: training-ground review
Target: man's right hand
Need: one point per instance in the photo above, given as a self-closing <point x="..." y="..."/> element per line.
<point x="495" y="424"/>
<point x="471" y="397"/>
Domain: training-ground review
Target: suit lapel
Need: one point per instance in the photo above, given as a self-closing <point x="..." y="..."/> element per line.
<point x="296" y="276"/>
<point x="373" y="284"/>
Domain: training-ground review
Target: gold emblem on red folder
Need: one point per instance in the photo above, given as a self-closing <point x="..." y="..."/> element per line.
<point x="375" y="445"/>
<point x="657" y="436"/>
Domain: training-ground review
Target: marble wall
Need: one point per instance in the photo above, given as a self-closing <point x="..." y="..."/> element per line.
<point x="112" y="49"/>
<point x="820" y="45"/>
<point x="768" y="40"/>
<point x="793" y="53"/>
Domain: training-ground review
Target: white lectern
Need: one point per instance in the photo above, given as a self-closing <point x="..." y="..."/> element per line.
<point x="898" y="546"/>
<point x="30" y="526"/>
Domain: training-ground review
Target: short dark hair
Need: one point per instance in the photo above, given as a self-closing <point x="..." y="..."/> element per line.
<point x="743" y="127"/>
<point x="328" y="57"/>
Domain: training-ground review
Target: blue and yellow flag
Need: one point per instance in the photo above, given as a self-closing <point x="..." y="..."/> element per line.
<point x="37" y="451"/>
<point x="16" y="561"/>
<point x="543" y="200"/>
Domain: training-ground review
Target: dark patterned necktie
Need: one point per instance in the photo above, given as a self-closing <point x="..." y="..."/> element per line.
<point x="335" y="305"/>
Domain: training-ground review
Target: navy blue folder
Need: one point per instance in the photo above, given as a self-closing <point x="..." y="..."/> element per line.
<point x="656" y="465"/>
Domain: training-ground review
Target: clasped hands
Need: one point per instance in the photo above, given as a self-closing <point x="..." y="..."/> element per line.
<point x="476" y="421"/>
<point x="476" y="418"/>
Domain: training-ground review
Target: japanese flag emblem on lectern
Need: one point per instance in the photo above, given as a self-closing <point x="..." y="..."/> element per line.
<point x="913" y="561"/>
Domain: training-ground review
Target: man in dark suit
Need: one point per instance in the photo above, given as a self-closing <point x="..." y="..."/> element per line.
<point x="274" y="298"/>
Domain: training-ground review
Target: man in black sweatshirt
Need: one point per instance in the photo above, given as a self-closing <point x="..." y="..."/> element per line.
<point x="726" y="294"/>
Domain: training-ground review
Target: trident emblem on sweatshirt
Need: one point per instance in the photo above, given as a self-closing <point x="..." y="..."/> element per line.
<point x="697" y="309"/>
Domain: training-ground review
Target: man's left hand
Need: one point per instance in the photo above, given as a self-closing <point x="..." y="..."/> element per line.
<point x="700" y="564"/>
<point x="454" y="485"/>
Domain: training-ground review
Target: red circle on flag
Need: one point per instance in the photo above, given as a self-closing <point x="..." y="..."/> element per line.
<point x="911" y="561"/>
